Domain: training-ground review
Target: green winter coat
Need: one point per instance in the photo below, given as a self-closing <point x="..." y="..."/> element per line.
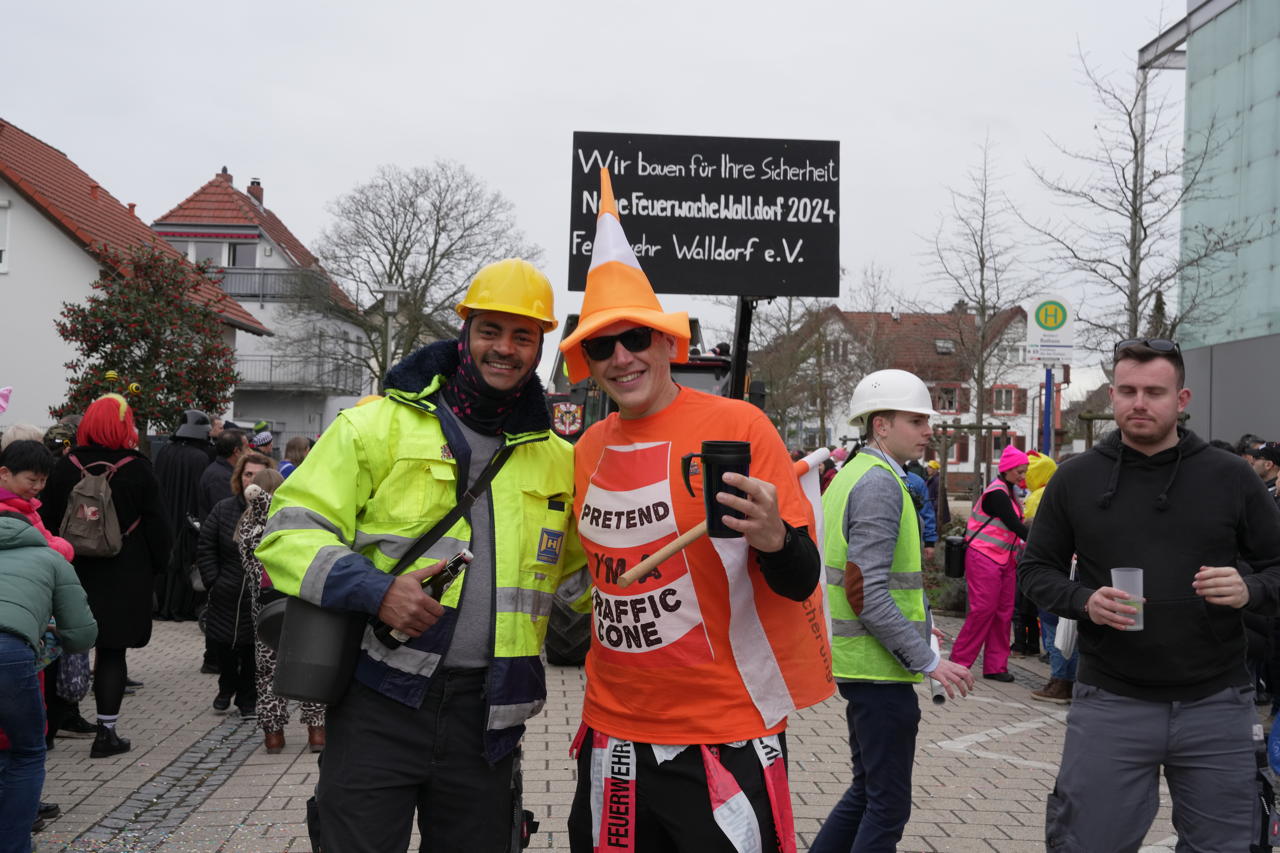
<point x="36" y="583"/>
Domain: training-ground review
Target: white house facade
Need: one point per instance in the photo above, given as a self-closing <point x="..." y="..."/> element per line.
<point x="261" y="263"/>
<point x="54" y="221"/>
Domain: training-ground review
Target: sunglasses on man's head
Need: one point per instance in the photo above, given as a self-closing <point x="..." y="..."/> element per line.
<point x="635" y="340"/>
<point x="1157" y="344"/>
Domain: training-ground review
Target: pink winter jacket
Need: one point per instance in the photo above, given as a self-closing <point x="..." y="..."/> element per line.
<point x="9" y="502"/>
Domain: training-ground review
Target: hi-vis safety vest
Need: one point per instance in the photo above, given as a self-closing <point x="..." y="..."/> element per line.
<point x="994" y="541"/>
<point x="382" y="475"/>
<point x="855" y="652"/>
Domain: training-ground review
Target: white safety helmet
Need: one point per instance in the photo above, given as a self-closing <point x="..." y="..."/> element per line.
<point x="889" y="391"/>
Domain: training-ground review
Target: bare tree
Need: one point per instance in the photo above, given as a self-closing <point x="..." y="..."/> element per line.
<point x="425" y="231"/>
<point x="869" y="303"/>
<point x="783" y="349"/>
<point x="810" y="354"/>
<point x="1119" y="233"/>
<point x="975" y="259"/>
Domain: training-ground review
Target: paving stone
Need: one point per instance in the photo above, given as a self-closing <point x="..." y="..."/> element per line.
<point x="197" y="782"/>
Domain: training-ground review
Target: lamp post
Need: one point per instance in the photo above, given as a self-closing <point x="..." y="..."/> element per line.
<point x="390" y="307"/>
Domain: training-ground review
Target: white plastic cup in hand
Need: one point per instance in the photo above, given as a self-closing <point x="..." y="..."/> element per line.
<point x="936" y="690"/>
<point x="1130" y="580"/>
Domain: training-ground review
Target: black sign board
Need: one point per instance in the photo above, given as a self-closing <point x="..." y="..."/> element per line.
<point x="712" y="214"/>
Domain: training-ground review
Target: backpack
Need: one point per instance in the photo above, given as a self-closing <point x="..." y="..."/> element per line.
<point x="90" y="522"/>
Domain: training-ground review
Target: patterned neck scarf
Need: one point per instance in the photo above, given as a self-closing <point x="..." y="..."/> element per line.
<point x="475" y="402"/>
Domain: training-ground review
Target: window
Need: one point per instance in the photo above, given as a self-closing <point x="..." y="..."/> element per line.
<point x="951" y="399"/>
<point x="837" y="350"/>
<point x="944" y="346"/>
<point x="183" y="246"/>
<point x="1007" y="400"/>
<point x="813" y="437"/>
<point x="1011" y="353"/>
<point x="211" y="252"/>
<point x="946" y="398"/>
<point x="957" y="447"/>
<point x="244" y="255"/>
<point x="1002" y="401"/>
<point x="999" y="441"/>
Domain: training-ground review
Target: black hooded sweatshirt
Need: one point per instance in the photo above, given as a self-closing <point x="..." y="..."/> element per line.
<point x="1170" y="513"/>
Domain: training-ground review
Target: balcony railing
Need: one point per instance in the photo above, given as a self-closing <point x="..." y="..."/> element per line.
<point x="268" y="285"/>
<point x="295" y="373"/>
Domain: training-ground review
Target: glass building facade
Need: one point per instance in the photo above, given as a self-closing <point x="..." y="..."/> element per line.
<point x="1233" y="90"/>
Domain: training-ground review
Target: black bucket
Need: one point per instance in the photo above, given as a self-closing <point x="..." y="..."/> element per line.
<point x="271" y="622"/>
<point x="953" y="557"/>
<point x="317" y="652"/>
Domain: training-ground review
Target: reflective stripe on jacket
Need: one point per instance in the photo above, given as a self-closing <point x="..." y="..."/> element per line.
<point x="382" y="475"/>
<point x="856" y="653"/>
<point x="995" y="541"/>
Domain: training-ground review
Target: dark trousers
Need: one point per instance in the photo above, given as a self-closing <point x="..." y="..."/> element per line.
<point x="383" y="759"/>
<point x="883" y="721"/>
<point x="22" y="764"/>
<point x="210" y="653"/>
<point x="1271" y="673"/>
<point x="59" y="710"/>
<point x="1108" y="787"/>
<point x="1026" y="625"/>
<point x="236" y="674"/>
<point x="672" y="806"/>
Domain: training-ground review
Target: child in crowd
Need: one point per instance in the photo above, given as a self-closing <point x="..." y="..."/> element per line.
<point x="25" y="465"/>
<point x="35" y="584"/>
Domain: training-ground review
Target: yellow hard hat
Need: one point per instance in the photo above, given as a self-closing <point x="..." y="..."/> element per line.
<point x="513" y="286"/>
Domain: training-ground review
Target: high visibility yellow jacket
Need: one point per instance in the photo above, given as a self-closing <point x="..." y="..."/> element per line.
<point x="855" y="651"/>
<point x="382" y="475"/>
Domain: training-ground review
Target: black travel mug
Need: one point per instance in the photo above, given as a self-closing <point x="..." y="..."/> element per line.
<point x="719" y="458"/>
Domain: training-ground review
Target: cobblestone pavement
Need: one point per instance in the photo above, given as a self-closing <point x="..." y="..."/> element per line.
<point x="196" y="781"/>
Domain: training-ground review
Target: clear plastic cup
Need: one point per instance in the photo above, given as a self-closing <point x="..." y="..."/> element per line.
<point x="1130" y="580"/>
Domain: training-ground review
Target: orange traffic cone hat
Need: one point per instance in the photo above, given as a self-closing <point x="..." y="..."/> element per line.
<point x="617" y="289"/>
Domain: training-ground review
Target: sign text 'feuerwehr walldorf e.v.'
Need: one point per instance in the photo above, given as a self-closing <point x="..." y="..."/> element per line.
<point x="715" y="215"/>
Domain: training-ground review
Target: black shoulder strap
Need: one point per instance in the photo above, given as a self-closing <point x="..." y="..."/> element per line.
<point x="464" y="503"/>
<point x="978" y="505"/>
<point x="976" y="532"/>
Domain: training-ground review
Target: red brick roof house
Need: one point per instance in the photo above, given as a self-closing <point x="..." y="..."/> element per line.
<point x="260" y="261"/>
<point x="937" y="347"/>
<point x="55" y="222"/>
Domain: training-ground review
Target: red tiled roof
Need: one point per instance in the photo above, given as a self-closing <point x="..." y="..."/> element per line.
<point x="1002" y="321"/>
<point x="220" y="203"/>
<point x="90" y="215"/>
<point x="908" y="340"/>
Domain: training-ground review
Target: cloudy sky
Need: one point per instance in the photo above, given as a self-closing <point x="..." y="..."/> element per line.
<point x="152" y="99"/>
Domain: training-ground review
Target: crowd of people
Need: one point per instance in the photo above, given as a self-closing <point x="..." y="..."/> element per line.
<point x="710" y="598"/>
<point x="134" y="542"/>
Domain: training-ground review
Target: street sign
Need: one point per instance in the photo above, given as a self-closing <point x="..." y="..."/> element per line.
<point x="1051" y="332"/>
<point x="714" y="215"/>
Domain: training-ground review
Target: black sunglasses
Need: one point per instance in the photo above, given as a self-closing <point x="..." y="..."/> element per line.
<point x="1157" y="344"/>
<point x="635" y="340"/>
